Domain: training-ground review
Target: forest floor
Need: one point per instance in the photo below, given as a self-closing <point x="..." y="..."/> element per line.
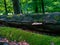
<point x="32" y="38"/>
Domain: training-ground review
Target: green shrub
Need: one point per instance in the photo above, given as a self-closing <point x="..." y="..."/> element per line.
<point x="31" y="38"/>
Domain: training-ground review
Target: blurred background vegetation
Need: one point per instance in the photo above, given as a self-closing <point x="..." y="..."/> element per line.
<point x="30" y="6"/>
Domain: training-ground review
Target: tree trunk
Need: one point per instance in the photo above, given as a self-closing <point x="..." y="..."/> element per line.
<point x="35" y="6"/>
<point x="16" y="6"/>
<point x="42" y="3"/>
<point x="6" y="12"/>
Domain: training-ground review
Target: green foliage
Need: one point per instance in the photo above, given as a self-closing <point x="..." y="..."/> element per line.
<point x="29" y="6"/>
<point x="52" y="5"/>
<point x="49" y="5"/>
<point x="9" y="6"/>
<point x="31" y="38"/>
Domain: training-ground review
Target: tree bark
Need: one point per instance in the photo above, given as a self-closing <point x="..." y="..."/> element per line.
<point x="6" y="12"/>
<point x="16" y="6"/>
<point x="35" y="6"/>
<point x="42" y="3"/>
